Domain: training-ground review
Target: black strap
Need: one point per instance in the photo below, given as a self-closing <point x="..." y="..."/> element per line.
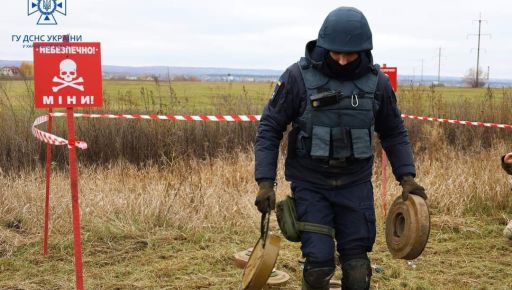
<point x="316" y="228"/>
<point x="311" y="227"/>
<point x="265" y="221"/>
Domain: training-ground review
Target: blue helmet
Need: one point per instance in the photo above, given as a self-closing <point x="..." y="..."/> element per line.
<point x="345" y="29"/>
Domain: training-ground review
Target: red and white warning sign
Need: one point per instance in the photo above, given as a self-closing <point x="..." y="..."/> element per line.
<point x="391" y="72"/>
<point x="67" y="75"/>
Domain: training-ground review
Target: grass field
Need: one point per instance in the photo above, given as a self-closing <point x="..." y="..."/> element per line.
<point x="179" y="96"/>
<point x="162" y="229"/>
<point x="467" y="254"/>
<point x="204" y="96"/>
<point x="166" y="205"/>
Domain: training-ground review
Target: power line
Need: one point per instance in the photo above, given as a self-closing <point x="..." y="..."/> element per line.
<point x="478" y="47"/>
<point x="421" y="80"/>
<point x="439" y="68"/>
<point x="439" y="57"/>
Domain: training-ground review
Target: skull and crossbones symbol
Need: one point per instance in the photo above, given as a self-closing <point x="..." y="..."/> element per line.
<point x="68" y="74"/>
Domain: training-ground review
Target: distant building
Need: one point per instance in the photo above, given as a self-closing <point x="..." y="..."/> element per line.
<point x="106" y="76"/>
<point x="9" y="71"/>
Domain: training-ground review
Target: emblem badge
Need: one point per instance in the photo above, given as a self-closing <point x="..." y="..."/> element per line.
<point x="46" y="9"/>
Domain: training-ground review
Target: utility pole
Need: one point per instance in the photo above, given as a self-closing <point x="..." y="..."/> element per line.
<point x="439" y="68"/>
<point x="478" y="47"/>
<point x="488" y="71"/>
<point x="421" y="80"/>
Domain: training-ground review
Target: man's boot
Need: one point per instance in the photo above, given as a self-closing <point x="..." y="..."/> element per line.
<point x="317" y="278"/>
<point x="357" y="274"/>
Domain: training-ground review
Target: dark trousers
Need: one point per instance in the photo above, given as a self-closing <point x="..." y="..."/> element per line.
<point x="350" y="211"/>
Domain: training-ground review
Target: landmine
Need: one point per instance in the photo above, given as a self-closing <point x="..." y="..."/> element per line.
<point x="277" y="278"/>
<point x="407" y="227"/>
<point x="261" y="263"/>
<point x="407" y="232"/>
<point x="263" y="258"/>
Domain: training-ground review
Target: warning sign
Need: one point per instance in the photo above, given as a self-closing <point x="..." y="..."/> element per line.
<point x="67" y="75"/>
<point x="392" y="74"/>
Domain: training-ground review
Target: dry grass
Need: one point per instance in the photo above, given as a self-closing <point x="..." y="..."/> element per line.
<point x="166" y="205"/>
<point x="160" y="142"/>
<point x="177" y="226"/>
<point x="188" y="194"/>
<point x="138" y="142"/>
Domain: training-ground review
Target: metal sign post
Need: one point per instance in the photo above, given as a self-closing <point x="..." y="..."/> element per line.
<point x="47" y="195"/>
<point x="67" y="75"/>
<point x="391" y="72"/>
<point x="73" y="173"/>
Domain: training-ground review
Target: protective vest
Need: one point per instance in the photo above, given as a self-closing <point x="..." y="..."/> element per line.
<point x="336" y="128"/>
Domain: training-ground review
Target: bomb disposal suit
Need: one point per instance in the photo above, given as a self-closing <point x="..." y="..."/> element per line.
<point x="334" y="110"/>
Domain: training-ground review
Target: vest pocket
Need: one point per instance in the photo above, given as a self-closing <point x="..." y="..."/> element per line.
<point x="320" y="142"/>
<point x="361" y="143"/>
<point x="340" y="143"/>
<point x="301" y="144"/>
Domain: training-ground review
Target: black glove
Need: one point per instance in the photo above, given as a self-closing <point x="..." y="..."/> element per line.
<point x="266" y="198"/>
<point x="409" y="186"/>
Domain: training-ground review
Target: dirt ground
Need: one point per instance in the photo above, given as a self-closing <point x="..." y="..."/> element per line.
<point x="464" y="253"/>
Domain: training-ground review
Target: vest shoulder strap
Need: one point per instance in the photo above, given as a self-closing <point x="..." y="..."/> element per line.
<point x="312" y="78"/>
<point x="368" y="83"/>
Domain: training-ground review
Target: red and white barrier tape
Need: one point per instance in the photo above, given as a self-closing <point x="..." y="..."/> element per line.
<point x="468" y="123"/>
<point x="55" y="140"/>
<point x="52" y="139"/>
<point x="214" y="118"/>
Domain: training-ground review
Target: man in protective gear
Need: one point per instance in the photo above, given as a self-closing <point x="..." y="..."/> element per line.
<point x="335" y="98"/>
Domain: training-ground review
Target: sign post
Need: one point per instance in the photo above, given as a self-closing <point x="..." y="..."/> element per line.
<point x="47" y="195"/>
<point x="391" y="72"/>
<point x="68" y="75"/>
<point x="73" y="173"/>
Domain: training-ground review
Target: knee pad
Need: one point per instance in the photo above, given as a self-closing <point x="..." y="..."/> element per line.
<point x="348" y="256"/>
<point x="318" y="278"/>
<point x="357" y="274"/>
<point x="317" y="275"/>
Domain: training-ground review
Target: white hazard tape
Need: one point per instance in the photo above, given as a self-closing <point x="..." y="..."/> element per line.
<point x="52" y="139"/>
<point x="458" y="122"/>
<point x="214" y="118"/>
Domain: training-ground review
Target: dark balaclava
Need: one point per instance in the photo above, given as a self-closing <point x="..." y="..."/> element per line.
<point x="351" y="71"/>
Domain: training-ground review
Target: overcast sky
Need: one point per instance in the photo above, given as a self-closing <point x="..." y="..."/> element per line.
<point x="272" y="34"/>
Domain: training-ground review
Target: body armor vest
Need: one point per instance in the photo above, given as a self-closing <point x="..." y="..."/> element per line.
<point x="336" y="128"/>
